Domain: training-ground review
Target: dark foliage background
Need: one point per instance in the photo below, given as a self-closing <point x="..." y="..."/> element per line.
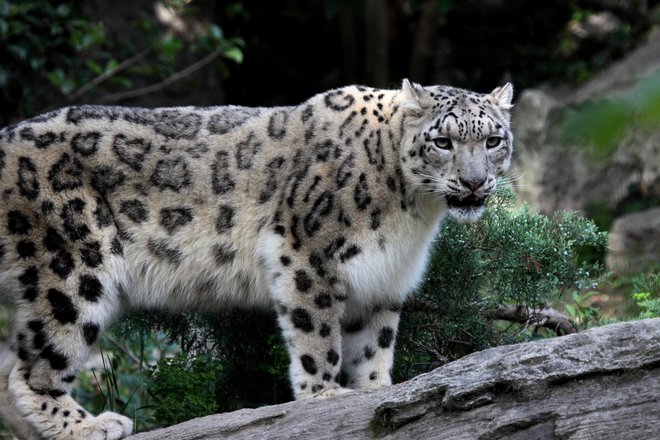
<point x="283" y="52"/>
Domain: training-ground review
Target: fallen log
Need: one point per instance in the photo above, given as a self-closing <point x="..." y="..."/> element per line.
<point x="603" y="383"/>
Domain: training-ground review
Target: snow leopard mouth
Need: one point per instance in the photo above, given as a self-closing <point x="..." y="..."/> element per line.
<point x="468" y="209"/>
<point x="470" y="201"/>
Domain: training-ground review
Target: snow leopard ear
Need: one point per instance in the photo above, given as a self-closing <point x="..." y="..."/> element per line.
<point x="415" y="98"/>
<point x="502" y="96"/>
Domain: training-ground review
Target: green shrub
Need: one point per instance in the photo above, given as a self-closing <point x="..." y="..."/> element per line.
<point x="512" y="256"/>
<point x="53" y="54"/>
<point x="646" y="288"/>
<point x="255" y="360"/>
<point x="42" y="45"/>
<point x="130" y="352"/>
<point x="183" y="388"/>
<point x="160" y="369"/>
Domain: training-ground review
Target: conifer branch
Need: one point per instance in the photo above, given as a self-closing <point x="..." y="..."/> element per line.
<point x="545" y="317"/>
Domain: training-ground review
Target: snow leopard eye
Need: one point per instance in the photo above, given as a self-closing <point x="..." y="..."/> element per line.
<point x="493" y="142"/>
<point x="443" y="143"/>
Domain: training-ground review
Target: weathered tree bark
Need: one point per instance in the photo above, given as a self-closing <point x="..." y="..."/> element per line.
<point x="603" y="383"/>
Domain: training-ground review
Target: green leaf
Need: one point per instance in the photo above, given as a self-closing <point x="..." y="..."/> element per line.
<point x="234" y="54"/>
<point x="216" y="32"/>
<point x="601" y="124"/>
<point x="63" y="10"/>
<point x="37" y="63"/>
<point x="170" y="46"/>
<point x="56" y="77"/>
<point x="5" y="8"/>
<point x="123" y="81"/>
<point x="331" y="8"/>
<point x="111" y="65"/>
<point x="445" y="6"/>
<point x="646" y="99"/>
<point x="94" y="66"/>
<point x="67" y="86"/>
<point x="570" y="310"/>
<point x="20" y="51"/>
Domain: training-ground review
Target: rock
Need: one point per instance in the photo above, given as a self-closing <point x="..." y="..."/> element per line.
<point x="552" y="176"/>
<point x="634" y="242"/>
<point x="623" y="74"/>
<point x="603" y="383"/>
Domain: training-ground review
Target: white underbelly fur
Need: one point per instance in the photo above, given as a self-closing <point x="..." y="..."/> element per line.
<point x="196" y="283"/>
<point x="380" y="274"/>
<point x="388" y="274"/>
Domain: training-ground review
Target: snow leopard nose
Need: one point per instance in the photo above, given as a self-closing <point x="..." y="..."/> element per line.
<point x="473" y="184"/>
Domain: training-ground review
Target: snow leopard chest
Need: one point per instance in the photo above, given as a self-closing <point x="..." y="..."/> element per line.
<point x="391" y="267"/>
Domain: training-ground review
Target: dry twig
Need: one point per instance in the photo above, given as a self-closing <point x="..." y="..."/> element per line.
<point x="165" y="83"/>
<point x="110" y="73"/>
<point x="546" y="317"/>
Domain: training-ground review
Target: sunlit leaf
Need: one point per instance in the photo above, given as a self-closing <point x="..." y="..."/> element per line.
<point x="234" y="54"/>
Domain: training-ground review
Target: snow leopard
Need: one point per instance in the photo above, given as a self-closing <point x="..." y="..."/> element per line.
<point x="323" y="212"/>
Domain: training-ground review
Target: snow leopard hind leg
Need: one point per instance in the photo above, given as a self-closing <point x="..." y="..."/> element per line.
<point x="49" y="358"/>
<point x="65" y="294"/>
<point x="8" y="413"/>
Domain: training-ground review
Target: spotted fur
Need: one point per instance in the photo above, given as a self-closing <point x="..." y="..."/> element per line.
<point x="324" y="211"/>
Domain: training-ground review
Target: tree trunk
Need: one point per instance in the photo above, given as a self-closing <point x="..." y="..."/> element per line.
<point x="603" y="383"/>
<point x="377" y="25"/>
<point x="348" y="36"/>
<point x="422" y="48"/>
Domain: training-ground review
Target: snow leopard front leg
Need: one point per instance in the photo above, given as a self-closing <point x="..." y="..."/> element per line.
<point x="368" y="346"/>
<point x="309" y="309"/>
